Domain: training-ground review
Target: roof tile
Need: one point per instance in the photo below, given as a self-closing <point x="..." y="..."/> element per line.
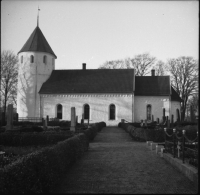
<point x="37" y="42"/>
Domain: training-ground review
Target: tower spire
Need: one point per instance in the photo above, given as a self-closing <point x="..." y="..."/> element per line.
<point x="38" y="17"/>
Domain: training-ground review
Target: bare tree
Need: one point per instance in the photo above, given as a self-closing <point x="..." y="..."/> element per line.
<point x="160" y="68"/>
<point x="184" y="79"/>
<point x="116" y="64"/>
<point x="9" y="73"/>
<point x="141" y="63"/>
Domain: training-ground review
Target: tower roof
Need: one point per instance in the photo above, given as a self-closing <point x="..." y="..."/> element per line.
<point x="37" y="42"/>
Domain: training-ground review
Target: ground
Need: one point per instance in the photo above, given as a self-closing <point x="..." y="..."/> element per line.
<point x="115" y="163"/>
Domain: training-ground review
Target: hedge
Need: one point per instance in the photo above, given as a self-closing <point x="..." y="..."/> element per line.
<point x="40" y="171"/>
<point x="62" y="123"/>
<point x="32" y="139"/>
<point x="146" y="134"/>
<point x="92" y="131"/>
<point x="143" y="134"/>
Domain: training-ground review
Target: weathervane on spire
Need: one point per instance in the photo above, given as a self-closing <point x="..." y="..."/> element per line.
<point x="38" y="17"/>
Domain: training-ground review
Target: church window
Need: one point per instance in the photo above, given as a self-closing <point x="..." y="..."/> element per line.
<point x="32" y="59"/>
<point x="21" y="59"/>
<point x="59" y="111"/>
<point x="148" y="112"/>
<point x="112" y="112"/>
<point x="45" y="59"/>
<point x="86" y="111"/>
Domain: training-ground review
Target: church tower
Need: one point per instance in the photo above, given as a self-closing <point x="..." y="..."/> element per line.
<point x="36" y="63"/>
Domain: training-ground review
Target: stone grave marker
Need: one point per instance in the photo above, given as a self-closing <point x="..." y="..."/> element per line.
<point x="73" y="119"/>
<point x="9" y="125"/>
<point x="152" y="118"/>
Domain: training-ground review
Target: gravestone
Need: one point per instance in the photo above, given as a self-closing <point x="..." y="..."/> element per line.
<point x="82" y="120"/>
<point x="158" y="120"/>
<point x="44" y="123"/>
<point x="152" y="118"/>
<point x="178" y="115"/>
<point x="47" y="119"/>
<point x="168" y="123"/>
<point x="172" y="120"/>
<point x="73" y="119"/>
<point x="9" y="125"/>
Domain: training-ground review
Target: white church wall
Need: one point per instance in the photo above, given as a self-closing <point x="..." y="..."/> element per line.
<point x="30" y="80"/>
<point x="174" y="106"/>
<point x="99" y="106"/>
<point x="157" y="103"/>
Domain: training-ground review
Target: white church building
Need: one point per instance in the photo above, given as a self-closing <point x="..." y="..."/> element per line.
<point x="107" y="95"/>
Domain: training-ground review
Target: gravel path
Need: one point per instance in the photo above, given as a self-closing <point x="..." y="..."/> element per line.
<point x="115" y="164"/>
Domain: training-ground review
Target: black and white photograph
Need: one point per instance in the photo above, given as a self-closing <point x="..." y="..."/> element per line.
<point x="99" y="97"/>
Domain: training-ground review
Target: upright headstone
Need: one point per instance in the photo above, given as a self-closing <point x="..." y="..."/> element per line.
<point x="9" y="125"/>
<point x="152" y="118"/>
<point x="158" y="120"/>
<point x="178" y="115"/>
<point x="82" y="120"/>
<point x="168" y="123"/>
<point x="44" y="123"/>
<point x="172" y="120"/>
<point x="164" y="118"/>
<point x="17" y="117"/>
<point x="47" y="119"/>
<point x="76" y="119"/>
<point x="73" y="119"/>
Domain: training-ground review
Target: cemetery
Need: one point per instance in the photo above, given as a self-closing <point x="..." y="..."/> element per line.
<point x="31" y="150"/>
<point x="27" y="156"/>
<point x="60" y="112"/>
<point x="176" y="142"/>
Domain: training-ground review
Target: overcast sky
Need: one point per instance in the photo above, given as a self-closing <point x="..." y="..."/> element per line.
<point x="94" y="32"/>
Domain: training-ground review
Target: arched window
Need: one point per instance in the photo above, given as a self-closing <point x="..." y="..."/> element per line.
<point x="45" y="59"/>
<point x="148" y="112"/>
<point x="112" y="112"/>
<point x="32" y="58"/>
<point x="86" y="111"/>
<point x="21" y="59"/>
<point x="59" y="111"/>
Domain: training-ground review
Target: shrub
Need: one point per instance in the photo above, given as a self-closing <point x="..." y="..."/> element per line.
<point x="92" y="131"/>
<point x="184" y="123"/>
<point x="143" y="134"/>
<point x="31" y="139"/>
<point x="41" y="170"/>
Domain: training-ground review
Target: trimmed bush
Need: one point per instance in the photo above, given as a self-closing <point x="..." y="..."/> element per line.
<point x="184" y="123"/>
<point x="41" y="170"/>
<point x="92" y="131"/>
<point x="32" y="139"/>
<point x="143" y="134"/>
